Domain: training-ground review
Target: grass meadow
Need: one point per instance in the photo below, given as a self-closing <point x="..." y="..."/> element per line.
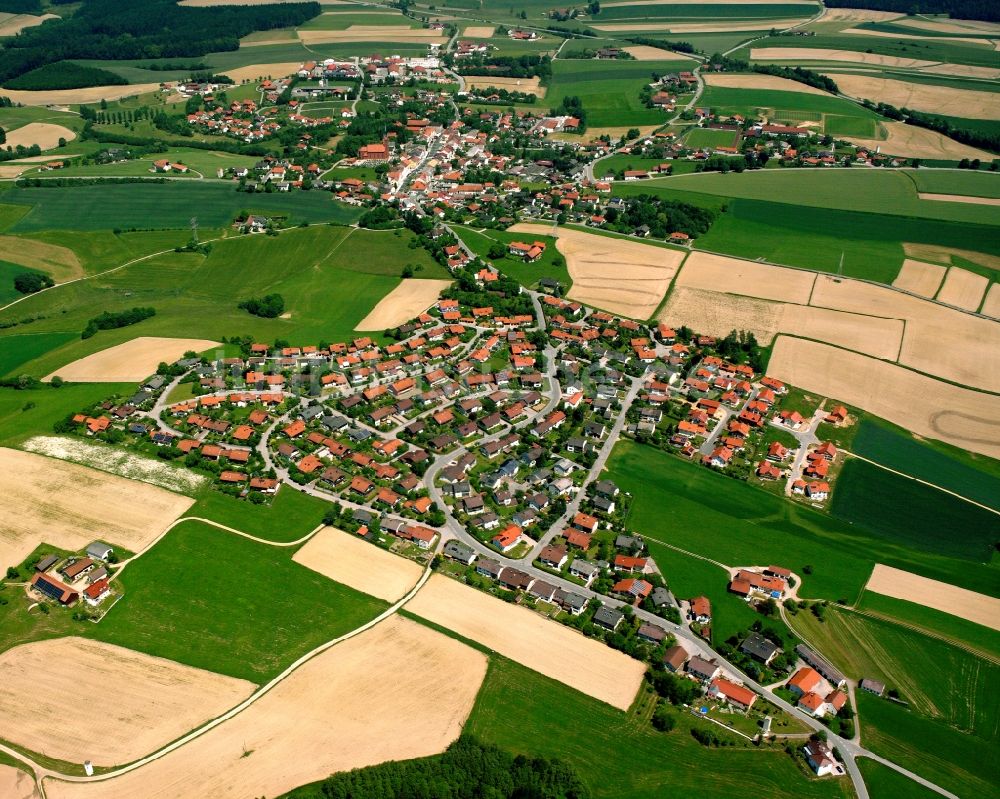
<point x="956" y="181"/>
<point x="330" y="277"/>
<point x="883" y="782"/>
<point x="708" y="12"/>
<point x="609" y="90"/>
<point x="738" y="524"/>
<point x="619" y="755"/>
<point x="709" y="138"/>
<point x="147" y="205"/>
<point x="290" y="515"/>
<point x="898" y="510"/>
<point x="526" y="274"/>
<point x="221" y="602"/>
<point x="28" y="413"/>
<point x="926" y="49"/>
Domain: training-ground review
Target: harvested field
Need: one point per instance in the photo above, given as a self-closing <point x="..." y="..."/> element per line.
<point x="858" y="15"/>
<point x="934" y="252"/>
<point x="909" y="141"/>
<point x="714" y="3"/>
<point x="716" y="314"/>
<point x="925" y="406"/>
<point x="365" y="567"/>
<point x="206" y="3"/>
<point x="594" y="134"/>
<point x="409" y="299"/>
<point x="734" y="275"/>
<point x="918" y="37"/>
<point x="17" y="784"/>
<point x="699" y="27"/>
<point x="69" y="506"/>
<point x="823" y="54"/>
<point x="527" y="638"/>
<point x="963" y="289"/>
<point x="953" y="25"/>
<point x="965" y="604"/>
<point x="90" y="94"/>
<point x="620" y="276"/>
<point x="479" y="32"/>
<point x="964" y="71"/>
<point x="526" y="85"/>
<point x="61" y="263"/>
<point x="373" y="33"/>
<point x="919" y="278"/>
<point x="44" y="134"/>
<point x="921" y="96"/>
<point x="768" y="82"/>
<point x="958" y="198"/>
<point x="395" y="692"/>
<point x="132" y="361"/>
<point x="991" y="307"/>
<point x="931" y="329"/>
<point x="13" y="24"/>
<point x="155" y="700"/>
<point x="642" y="52"/>
<point x="256" y="71"/>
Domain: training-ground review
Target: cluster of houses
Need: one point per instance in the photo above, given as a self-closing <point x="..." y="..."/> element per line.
<point x="67" y="580"/>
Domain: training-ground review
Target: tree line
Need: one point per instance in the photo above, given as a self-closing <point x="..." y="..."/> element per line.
<point x="798" y="74"/>
<point x="64" y="75"/>
<point x="111" y="320"/>
<point x="987" y="140"/>
<point x="468" y="769"/>
<point x="146" y="29"/>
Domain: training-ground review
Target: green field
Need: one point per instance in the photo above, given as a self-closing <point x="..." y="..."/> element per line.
<point x="610" y="90"/>
<point x="939" y="680"/>
<point x="313" y="268"/>
<point x="885" y="783"/>
<point x="221" y="602"/>
<point x="342" y="21"/>
<point x="619" y="755"/>
<point x="290" y="516"/>
<point x="956" y="181"/>
<point x="526" y="274"/>
<point x="962" y="763"/>
<point x="877" y="191"/>
<point x="708" y="138"/>
<point x="927" y="49"/>
<point x="973" y="476"/>
<point x="708" y="12"/>
<point x="983" y="640"/>
<point x="738" y="524"/>
<point x="813" y="238"/>
<point x="838" y="116"/>
<point x="901" y="511"/>
<point x="200" y="163"/>
<point x="19" y="349"/>
<point x="33" y="412"/>
<point x="144" y="206"/>
<point x="8" y="272"/>
<point x="619" y="162"/>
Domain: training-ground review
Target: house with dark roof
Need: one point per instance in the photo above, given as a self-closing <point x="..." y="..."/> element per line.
<point x="759" y="648"/>
<point x="608" y="618"/>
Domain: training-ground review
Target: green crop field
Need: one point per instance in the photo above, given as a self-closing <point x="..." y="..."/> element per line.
<point x="983" y="640"/>
<point x="706" y="137"/>
<point x="609" y="90"/>
<point x="8" y="272"/>
<point x="313" y="268"/>
<point x="526" y="274"/>
<point x="735" y="523"/>
<point x="707" y="12"/>
<point x="927" y="49"/>
<point x="877" y="191"/>
<point x="962" y="763"/>
<point x="901" y="511"/>
<point x="791" y="107"/>
<point x="619" y="755"/>
<point x="813" y="238"/>
<point x="19" y="349"/>
<point x="956" y="181"/>
<point x="14" y="117"/>
<point x="883" y="782"/>
<point x="200" y="163"/>
<point x="972" y="476"/>
<point x="939" y="680"/>
<point x="163" y="205"/>
<point x="221" y="602"/>
<point x="342" y="21"/>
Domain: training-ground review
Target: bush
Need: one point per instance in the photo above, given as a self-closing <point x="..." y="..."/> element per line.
<point x="30" y="282"/>
<point x="111" y="321"/>
<point x="269" y="307"/>
<point x="663" y="719"/>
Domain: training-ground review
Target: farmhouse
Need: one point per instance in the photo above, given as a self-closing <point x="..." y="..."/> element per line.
<point x="736" y="695"/>
<point x="52" y="588"/>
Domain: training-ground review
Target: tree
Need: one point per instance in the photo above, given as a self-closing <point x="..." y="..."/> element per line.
<point x="663" y="719"/>
<point x="633" y="133"/>
<point x="56" y="382"/>
<point x="268" y="307"/>
<point x="30" y="282"/>
<point x="3" y="136"/>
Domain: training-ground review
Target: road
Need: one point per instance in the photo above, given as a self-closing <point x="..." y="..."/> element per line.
<point x="807" y="438"/>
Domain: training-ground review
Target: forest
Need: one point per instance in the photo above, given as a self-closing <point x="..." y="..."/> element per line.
<point x="155" y="29"/>
<point x="987" y="10"/>
<point x="21" y="6"/>
<point x="467" y="770"/>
